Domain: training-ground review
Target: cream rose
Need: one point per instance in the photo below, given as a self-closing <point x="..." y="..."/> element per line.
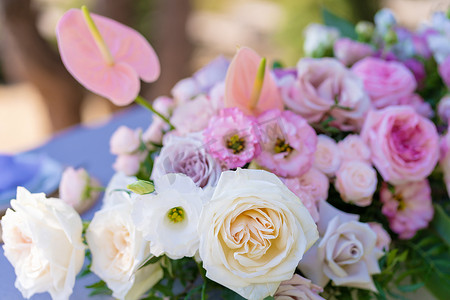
<point x="43" y="242"/>
<point x="346" y="253"/>
<point x="254" y="231"/>
<point x="117" y="247"/>
<point x="356" y="181"/>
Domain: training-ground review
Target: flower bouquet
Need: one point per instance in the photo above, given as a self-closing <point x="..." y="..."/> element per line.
<point x="319" y="181"/>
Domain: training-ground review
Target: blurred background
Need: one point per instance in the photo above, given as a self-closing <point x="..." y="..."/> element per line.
<point x="38" y="98"/>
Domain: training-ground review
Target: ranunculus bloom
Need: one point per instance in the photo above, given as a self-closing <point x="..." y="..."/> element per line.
<point x="383" y="238"/>
<point x="409" y="209"/>
<point x="356" y="181"/>
<point x="325" y="86"/>
<point x="187" y="155"/>
<point x="231" y="137"/>
<point x="444" y="109"/>
<point x="254" y="233"/>
<point x="444" y="71"/>
<point x="298" y="288"/>
<point x="125" y="140"/>
<point x="133" y="57"/>
<point x="352" y="147"/>
<point x="327" y="157"/>
<point x="43" y="242"/>
<point x="404" y="145"/>
<point x="169" y="218"/>
<point x="386" y="82"/>
<point x="288" y="143"/>
<point x="349" y="51"/>
<point x="346" y="252"/>
<point x="117" y="248"/>
<point x="239" y="84"/>
<point x="75" y="185"/>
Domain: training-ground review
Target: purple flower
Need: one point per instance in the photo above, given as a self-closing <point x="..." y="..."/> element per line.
<point x="288" y="143"/>
<point x="231" y="137"/>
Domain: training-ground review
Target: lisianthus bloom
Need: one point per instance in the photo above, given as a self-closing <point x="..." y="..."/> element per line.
<point x="117" y="249"/>
<point x="249" y="87"/>
<point x="327" y="157"/>
<point x="76" y="186"/>
<point x="168" y="218"/>
<point x="386" y="82"/>
<point x="404" y="145"/>
<point x="349" y="51"/>
<point x="288" y="143"/>
<point x="231" y="137"/>
<point x="43" y="242"/>
<point x="409" y="208"/>
<point x="187" y="155"/>
<point x="298" y="288"/>
<point x="346" y="253"/>
<point x="254" y="233"/>
<point x="356" y="182"/>
<point x="105" y="56"/>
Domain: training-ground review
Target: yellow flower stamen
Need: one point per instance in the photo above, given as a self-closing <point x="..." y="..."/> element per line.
<point x="176" y="214"/>
<point x="258" y="84"/>
<point x="235" y="143"/>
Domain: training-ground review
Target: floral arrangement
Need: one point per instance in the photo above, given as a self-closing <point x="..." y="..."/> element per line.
<point x="320" y="181"/>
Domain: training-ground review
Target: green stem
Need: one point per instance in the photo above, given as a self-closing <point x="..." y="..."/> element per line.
<point x="141" y="101"/>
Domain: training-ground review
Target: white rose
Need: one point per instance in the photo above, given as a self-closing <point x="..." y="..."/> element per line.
<point x="327" y="157"/>
<point x="169" y="217"/>
<point x="354" y="148"/>
<point x="43" y="242"/>
<point x="125" y="140"/>
<point x="254" y="231"/>
<point x="346" y="253"/>
<point x="356" y="181"/>
<point x="117" y="248"/>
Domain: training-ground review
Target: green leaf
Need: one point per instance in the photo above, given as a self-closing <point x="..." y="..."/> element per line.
<point x="346" y="28"/>
<point x="441" y="223"/>
<point x="141" y="187"/>
<point x="150" y="259"/>
<point x="410" y="287"/>
<point x="269" y="298"/>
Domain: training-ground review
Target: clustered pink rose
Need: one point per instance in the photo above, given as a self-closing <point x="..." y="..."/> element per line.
<point x="352" y="147"/>
<point x="383" y="238"/>
<point x="386" y="82"/>
<point x="232" y="138"/>
<point x="327" y="157"/>
<point x="420" y="106"/>
<point x="308" y="201"/>
<point x="409" y="208"/>
<point x="288" y="143"/>
<point x="444" y="71"/>
<point x="404" y="145"/>
<point x="349" y="51"/>
<point x="325" y="86"/>
<point x="298" y="288"/>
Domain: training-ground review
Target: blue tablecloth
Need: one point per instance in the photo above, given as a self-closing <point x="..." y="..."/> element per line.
<point x="86" y="147"/>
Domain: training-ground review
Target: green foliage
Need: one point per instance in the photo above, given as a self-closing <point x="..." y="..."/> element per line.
<point x="346" y="28"/>
<point x="142" y="187"/>
<point x="99" y="288"/>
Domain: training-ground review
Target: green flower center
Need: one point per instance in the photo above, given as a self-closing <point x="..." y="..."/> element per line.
<point x="281" y="146"/>
<point x="401" y="204"/>
<point x="176" y="214"/>
<point x="236" y="143"/>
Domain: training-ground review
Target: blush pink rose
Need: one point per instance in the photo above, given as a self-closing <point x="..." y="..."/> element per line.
<point x="288" y="143"/>
<point x="349" y="51"/>
<point x="404" y="145"/>
<point x="308" y="201"/>
<point x="444" y="71"/>
<point x="352" y="147"/>
<point x="417" y="102"/>
<point x="385" y="81"/>
<point x="327" y="157"/>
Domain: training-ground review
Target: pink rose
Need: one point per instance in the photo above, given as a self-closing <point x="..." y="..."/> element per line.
<point x="404" y="145"/>
<point x="322" y="86"/>
<point x="125" y="140"/>
<point x="383" y="238"/>
<point x="298" y="288"/>
<point x="356" y="181"/>
<point x="444" y="71"/>
<point x="409" y="208"/>
<point x="327" y="157"/>
<point x="385" y="81"/>
<point x="349" y="51"/>
<point x="315" y="183"/>
<point x="352" y="147"/>
<point x="288" y="143"/>
<point x="420" y="106"/>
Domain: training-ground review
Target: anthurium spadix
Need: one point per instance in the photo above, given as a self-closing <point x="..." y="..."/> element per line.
<point x="249" y="85"/>
<point x="106" y="57"/>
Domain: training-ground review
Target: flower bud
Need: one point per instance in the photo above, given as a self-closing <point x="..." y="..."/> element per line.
<point x="364" y="29"/>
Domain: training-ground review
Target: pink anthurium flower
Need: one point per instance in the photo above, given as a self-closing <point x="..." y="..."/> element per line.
<point x="249" y="85"/>
<point x="106" y="57"/>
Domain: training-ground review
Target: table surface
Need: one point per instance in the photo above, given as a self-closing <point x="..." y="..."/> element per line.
<point x="87" y="147"/>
